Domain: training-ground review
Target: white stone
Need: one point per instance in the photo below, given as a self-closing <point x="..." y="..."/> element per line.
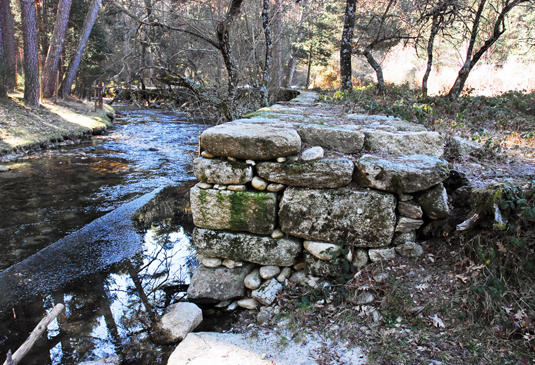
<point x="204" y="185"/>
<point x="206" y="154"/>
<point x="408" y="224"/>
<point x="284" y="275"/>
<point x="381" y="254"/>
<point x="236" y="187"/>
<point x="259" y="183"/>
<point x="311" y="154"/>
<point x="222" y="187"/>
<point x="275" y="187"/>
<point x="253" y="280"/>
<point x="250" y="162"/>
<point x="210" y="261"/>
<point x="322" y="250"/>
<point x="267" y="292"/>
<point x="179" y="320"/>
<point x="223" y="304"/>
<point x="248" y="303"/>
<point x="232" y="306"/>
<point x="281" y="159"/>
<point x="231" y="264"/>
<point x="270" y="271"/>
<point x="232" y="159"/>
<point x="277" y="233"/>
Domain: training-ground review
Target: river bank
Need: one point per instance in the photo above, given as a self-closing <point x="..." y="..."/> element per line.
<point x="26" y="129"/>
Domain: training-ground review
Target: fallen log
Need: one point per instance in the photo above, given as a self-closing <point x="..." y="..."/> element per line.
<point x="34" y="336"/>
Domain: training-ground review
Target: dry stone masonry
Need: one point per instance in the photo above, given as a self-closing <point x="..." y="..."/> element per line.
<point x="290" y="194"/>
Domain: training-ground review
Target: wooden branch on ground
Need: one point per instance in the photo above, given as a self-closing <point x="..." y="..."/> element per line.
<point x="34" y="336"/>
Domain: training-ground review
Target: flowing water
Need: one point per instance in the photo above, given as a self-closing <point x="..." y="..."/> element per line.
<point x="112" y="288"/>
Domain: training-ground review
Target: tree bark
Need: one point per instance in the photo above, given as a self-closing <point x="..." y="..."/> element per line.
<point x="225" y="47"/>
<point x="31" y="52"/>
<point x="377" y="67"/>
<point x="346" y="49"/>
<point x="269" y="52"/>
<point x="430" y="44"/>
<point x="56" y="47"/>
<point x="309" y="69"/>
<point x="276" y="21"/>
<point x="290" y="71"/>
<point x="10" y="45"/>
<point x="3" y="71"/>
<point x="87" y="27"/>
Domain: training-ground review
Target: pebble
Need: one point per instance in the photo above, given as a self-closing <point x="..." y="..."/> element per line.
<point x="221" y="187"/>
<point x="275" y="187"/>
<point x="299" y="266"/>
<point x="250" y="162"/>
<point x="248" y="303"/>
<point x="361" y="258"/>
<point x="232" y="159"/>
<point x="281" y="159"/>
<point x="311" y="154"/>
<point x="264" y="316"/>
<point x="231" y="264"/>
<point x="223" y="304"/>
<point x="210" y="261"/>
<point x="268" y="272"/>
<point x="237" y="187"/>
<point x="299" y="277"/>
<point x="4" y="168"/>
<point x="232" y="306"/>
<point x="253" y="280"/>
<point x="284" y="275"/>
<point x="259" y="183"/>
<point x="203" y="185"/>
<point x="207" y="154"/>
<point x="277" y="233"/>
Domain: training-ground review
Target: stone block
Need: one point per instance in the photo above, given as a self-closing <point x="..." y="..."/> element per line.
<point x="342" y="216"/>
<point x="222" y="172"/>
<point x="326" y="173"/>
<point x="212" y="285"/>
<point x="332" y="138"/>
<point x="250" y="141"/>
<point x="434" y="202"/>
<point x="250" y="211"/>
<point x="262" y="250"/>
<point x="179" y="320"/>
<point x="405" y="143"/>
<point x="400" y="174"/>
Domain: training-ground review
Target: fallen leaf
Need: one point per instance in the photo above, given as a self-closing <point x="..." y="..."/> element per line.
<point x="437" y="322"/>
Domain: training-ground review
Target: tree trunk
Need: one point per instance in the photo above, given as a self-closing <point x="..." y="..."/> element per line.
<point x="277" y="45"/>
<point x="269" y="52"/>
<point x="87" y="27"/>
<point x="346" y="47"/>
<point x="378" y="69"/>
<point x="3" y="71"/>
<point x="31" y="52"/>
<point x="223" y="37"/>
<point x="290" y="70"/>
<point x="10" y="45"/>
<point x="309" y="70"/>
<point x="430" y="45"/>
<point x="56" y="47"/>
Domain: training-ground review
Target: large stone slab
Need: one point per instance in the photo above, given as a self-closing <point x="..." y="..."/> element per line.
<point x="405" y="143"/>
<point x="332" y="138"/>
<point x="326" y="173"/>
<point x="341" y="216"/>
<point x="262" y="250"/>
<point x="222" y="172"/>
<point x="250" y="141"/>
<point x="400" y="174"/>
<point x="250" y="211"/>
<point x="210" y="285"/>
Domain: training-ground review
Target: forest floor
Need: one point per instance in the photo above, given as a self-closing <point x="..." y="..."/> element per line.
<point x="25" y="129"/>
<point x="470" y="298"/>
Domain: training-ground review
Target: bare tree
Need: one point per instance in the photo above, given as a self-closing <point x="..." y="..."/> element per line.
<point x="496" y="19"/>
<point x="346" y="46"/>
<point x="3" y="73"/>
<point x="269" y="52"/>
<point x="31" y="52"/>
<point x="56" y="47"/>
<point x="87" y="27"/>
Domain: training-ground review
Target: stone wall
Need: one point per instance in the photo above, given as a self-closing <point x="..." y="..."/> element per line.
<point x="294" y="193"/>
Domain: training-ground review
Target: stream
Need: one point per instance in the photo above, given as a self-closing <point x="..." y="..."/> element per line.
<point x="109" y="286"/>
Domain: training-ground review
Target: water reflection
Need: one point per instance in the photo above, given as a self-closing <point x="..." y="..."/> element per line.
<point x="110" y="312"/>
